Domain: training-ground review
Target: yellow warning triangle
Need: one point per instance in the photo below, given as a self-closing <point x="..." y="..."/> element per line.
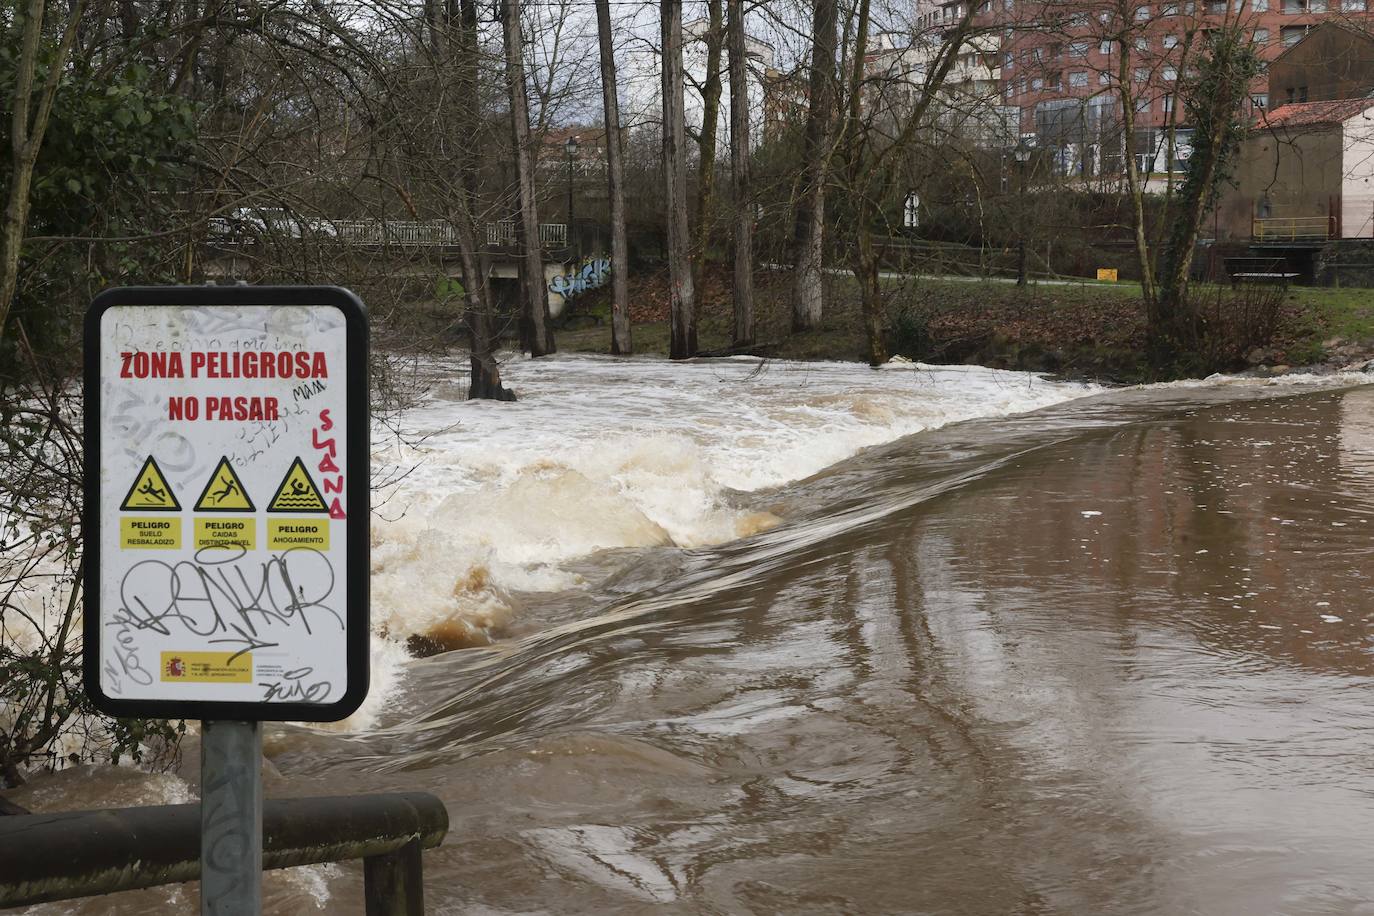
<point x="297" y="492"/>
<point x="225" y="492"/>
<point x="150" y="491"/>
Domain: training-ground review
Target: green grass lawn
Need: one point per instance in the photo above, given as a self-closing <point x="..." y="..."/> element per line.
<point x="1093" y="326"/>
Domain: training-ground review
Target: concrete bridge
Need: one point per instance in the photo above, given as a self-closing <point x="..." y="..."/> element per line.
<point x="416" y="248"/>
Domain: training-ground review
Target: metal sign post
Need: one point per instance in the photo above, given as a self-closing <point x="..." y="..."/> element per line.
<point x="230" y="818"/>
<point x="226" y="530"/>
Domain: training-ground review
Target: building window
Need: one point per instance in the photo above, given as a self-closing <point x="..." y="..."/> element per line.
<point x="1142" y="44"/>
<point x="1167" y="103"/>
<point x="1078" y="21"/>
<point x="1260" y="102"/>
<point x="1142" y="14"/>
<point x="1078" y="80"/>
<point x="1170" y="74"/>
<point x="1292" y="34"/>
<point x="1037" y="84"/>
<point x="1052" y="81"/>
<point x="1103" y="78"/>
<point x="1078" y="49"/>
<point x="1352" y="6"/>
<point x="1216" y="7"/>
<point x="1169" y="9"/>
<point x="1261" y="37"/>
<point x="1170" y="42"/>
<point x="1294" y="7"/>
<point x="1259" y="6"/>
<point x="1316" y="6"/>
<point x="1105" y="47"/>
<point x="1141" y="75"/>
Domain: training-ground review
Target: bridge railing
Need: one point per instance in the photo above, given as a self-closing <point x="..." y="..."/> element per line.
<point x="501" y="234"/>
<point x="378" y="233"/>
<point x="47" y="857"/>
<point x="414" y="234"/>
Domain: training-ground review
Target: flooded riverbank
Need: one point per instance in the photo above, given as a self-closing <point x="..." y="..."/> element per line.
<point x="1111" y="656"/>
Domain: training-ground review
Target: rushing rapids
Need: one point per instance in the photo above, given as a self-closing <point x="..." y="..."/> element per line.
<point x="1109" y="656"/>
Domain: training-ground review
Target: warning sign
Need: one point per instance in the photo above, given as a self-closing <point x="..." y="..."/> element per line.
<point x="150" y="491"/>
<point x="226" y="522"/>
<point x="297" y="492"/>
<point x="224" y="492"/>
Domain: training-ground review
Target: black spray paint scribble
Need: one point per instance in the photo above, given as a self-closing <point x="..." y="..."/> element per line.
<point x="295" y="685"/>
<point x="223" y="600"/>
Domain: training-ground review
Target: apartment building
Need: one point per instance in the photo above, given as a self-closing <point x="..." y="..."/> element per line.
<point x="1063" y="64"/>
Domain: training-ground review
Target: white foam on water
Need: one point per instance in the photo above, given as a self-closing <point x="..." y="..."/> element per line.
<point x="602" y="453"/>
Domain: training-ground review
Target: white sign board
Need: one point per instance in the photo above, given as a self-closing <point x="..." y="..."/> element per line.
<point x="227" y="502"/>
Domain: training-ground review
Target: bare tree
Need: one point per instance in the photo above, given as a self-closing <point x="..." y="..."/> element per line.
<point x="809" y="232"/>
<point x="683" y="344"/>
<point x="711" y="90"/>
<point x="28" y="123"/>
<point x="536" y="331"/>
<point x="621" y="342"/>
<point x="739" y="167"/>
<point x="485" y="375"/>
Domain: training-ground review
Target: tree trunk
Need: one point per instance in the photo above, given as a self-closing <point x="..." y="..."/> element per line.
<point x="809" y="231"/>
<point x="683" y="312"/>
<point x="864" y="177"/>
<point x="1133" y="186"/>
<point x="536" y="330"/>
<point x="621" y="343"/>
<point x="739" y="167"/>
<point x="870" y="297"/>
<point x="485" y="376"/>
<point x="26" y="139"/>
<point x="706" y="144"/>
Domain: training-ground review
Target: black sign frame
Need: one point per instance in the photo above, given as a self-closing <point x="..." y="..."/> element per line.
<point x="357" y="492"/>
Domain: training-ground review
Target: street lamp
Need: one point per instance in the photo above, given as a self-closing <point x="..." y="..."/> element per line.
<point x="1023" y="153"/>
<point x="570" y="147"/>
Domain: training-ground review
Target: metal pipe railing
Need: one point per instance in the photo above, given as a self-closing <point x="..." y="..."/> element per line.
<point x="1291" y="228"/>
<point x="47" y="857"/>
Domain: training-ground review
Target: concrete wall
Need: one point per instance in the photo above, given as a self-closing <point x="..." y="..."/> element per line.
<point x="1332" y="62"/>
<point x="1357" y="180"/>
<point x="1349" y="262"/>
<point x="1300" y="173"/>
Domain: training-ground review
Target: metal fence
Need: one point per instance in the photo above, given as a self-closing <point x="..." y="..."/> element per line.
<point x="47" y="857"/>
<point x="551" y="235"/>
<point x="1292" y="228"/>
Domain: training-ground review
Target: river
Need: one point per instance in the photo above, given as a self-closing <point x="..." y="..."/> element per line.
<point x="815" y="639"/>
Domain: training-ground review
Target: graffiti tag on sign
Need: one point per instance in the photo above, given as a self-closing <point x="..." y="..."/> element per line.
<point x="591" y="274"/>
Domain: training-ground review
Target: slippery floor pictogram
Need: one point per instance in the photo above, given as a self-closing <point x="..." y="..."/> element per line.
<point x="224" y="492"/>
<point x="297" y="492"/>
<point x="150" y="491"/>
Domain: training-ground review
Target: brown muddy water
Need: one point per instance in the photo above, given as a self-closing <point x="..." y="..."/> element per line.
<point x="1110" y="657"/>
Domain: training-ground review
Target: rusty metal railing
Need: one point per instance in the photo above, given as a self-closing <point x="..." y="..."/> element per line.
<point x="1292" y="228"/>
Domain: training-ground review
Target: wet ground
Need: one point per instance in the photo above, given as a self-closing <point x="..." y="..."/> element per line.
<point x="1110" y="657"/>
